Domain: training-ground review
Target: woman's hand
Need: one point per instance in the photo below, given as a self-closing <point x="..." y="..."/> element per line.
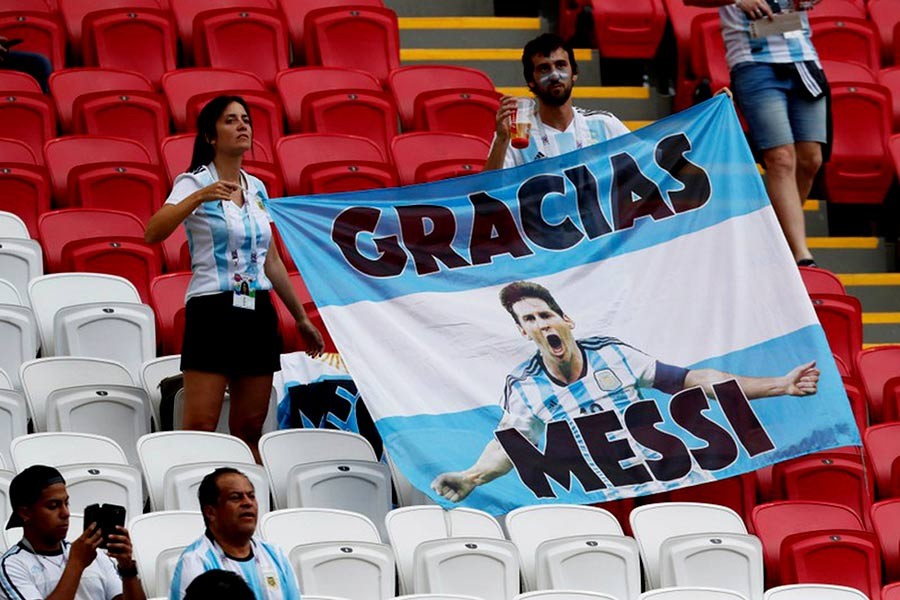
<point x="312" y="339"/>
<point x="220" y="190"/>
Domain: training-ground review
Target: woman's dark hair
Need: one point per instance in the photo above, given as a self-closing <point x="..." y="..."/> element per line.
<point x="218" y="584"/>
<point x="204" y="151"/>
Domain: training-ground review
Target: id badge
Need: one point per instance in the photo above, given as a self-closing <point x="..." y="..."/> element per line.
<point x="244" y="293"/>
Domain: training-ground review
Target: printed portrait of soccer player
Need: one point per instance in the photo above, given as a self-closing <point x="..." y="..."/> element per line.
<point x="569" y="377"/>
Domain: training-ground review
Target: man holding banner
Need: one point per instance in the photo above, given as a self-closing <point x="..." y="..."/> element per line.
<point x="568" y="377"/>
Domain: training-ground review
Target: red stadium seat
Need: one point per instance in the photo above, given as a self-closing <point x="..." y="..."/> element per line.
<point x="708" y="52"/>
<point x="358" y="37"/>
<point x="406" y="83"/>
<point x="885" y="14"/>
<point x="29" y="118"/>
<point x="858" y="405"/>
<point x="890" y="78"/>
<point x="846" y="38"/>
<point x="775" y="521"/>
<point x="181" y="85"/>
<point x="167" y="299"/>
<point x="876" y="366"/>
<point x="298" y="152"/>
<point x="245" y="39"/>
<point x="68" y="85"/>
<point x="128" y="257"/>
<point x="682" y="17"/>
<point x="333" y="177"/>
<point x="838" y="557"/>
<point x="839" y="8"/>
<point x="25" y="190"/>
<point x="268" y="174"/>
<point x="890" y="399"/>
<point x="894" y="147"/>
<point x="353" y="112"/>
<point x="821" y="281"/>
<point x="140" y="116"/>
<point x="41" y="33"/>
<point x="138" y="39"/>
<point x="131" y="187"/>
<point x="15" y="82"/>
<point x="176" y="252"/>
<point x="185" y="11"/>
<point x="891" y="591"/>
<point x="841" y="318"/>
<point x="737" y="493"/>
<point x="14" y="6"/>
<point x="295" y="12"/>
<point x="628" y="29"/>
<point x="266" y="114"/>
<point x="175" y="152"/>
<point x="282" y="250"/>
<point x="65" y="153"/>
<point x="886" y="521"/>
<point x="294" y="85"/>
<point x="433" y="151"/>
<point x="292" y="341"/>
<point x="833" y="477"/>
<point x="73" y="13"/>
<point x="59" y="227"/>
<point x="472" y="112"/>
<point x="839" y="71"/>
<point x="882" y="444"/>
<point x="16" y="151"/>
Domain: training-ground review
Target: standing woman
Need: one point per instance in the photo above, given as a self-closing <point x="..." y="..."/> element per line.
<point x="231" y="328"/>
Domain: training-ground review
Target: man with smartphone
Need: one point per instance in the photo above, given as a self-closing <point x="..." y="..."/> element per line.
<point x="44" y="565"/>
<point x="781" y="90"/>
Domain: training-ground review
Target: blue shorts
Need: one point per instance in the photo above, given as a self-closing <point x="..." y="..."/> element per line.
<point x="776" y="107"/>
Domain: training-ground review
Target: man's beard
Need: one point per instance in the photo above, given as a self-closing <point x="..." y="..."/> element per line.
<point x="550" y="99"/>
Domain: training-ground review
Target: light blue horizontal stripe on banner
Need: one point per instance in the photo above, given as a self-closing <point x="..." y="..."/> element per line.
<point x="424" y="446"/>
<point x="718" y="147"/>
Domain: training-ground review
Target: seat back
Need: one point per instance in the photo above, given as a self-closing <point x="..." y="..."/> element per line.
<point x="128" y="257"/>
<point x="708" y="51"/>
<point x="631" y="30"/>
<point x="100" y="483"/>
<point x="852" y="39"/>
<point x="298" y="526"/>
<point x="882" y="446"/>
<point x="412" y="151"/>
<point x="455" y="110"/>
<point x="737" y="493"/>
<point x="467" y="565"/>
<point x="167" y="299"/>
<point x="294" y="85"/>
<point x="139" y="189"/>
<point x="181" y="85"/>
<point x="181" y="483"/>
<point x="41" y="32"/>
<point x="60" y="227"/>
<point x="140" y="116"/>
<point x="62" y="448"/>
<point x="185" y="11"/>
<point x="691" y="593"/>
<point x="886" y="522"/>
<point x="305" y="149"/>
<point x="19" y="332"/>
<point x="12" y="226"/>
<point x="601" y="563"/>
<point x="21" y="261"/>
<point x="841" y="318"/>
<point x="28" y="117"/>
<point x="840" y="71"/>
<point x="73" y="13"/>
<point x="876" y="366"/>
<point x="13" y="422"/>
<point x="69" y="84"/>
<point x="838" y="557"/>
<point x="371" y="114"/>
<point x="162" y="534"/>
<point x="152" y="373"/>
<point x="295" y="12"/>
<point x="815" y="591"/>
<point x="344" y="569"/>
<point x="821" y="281"/>
<point x="334" y="177"/>
<point x="406" y="83"/>
<point x="18" y="81"/>
<point x="726" y="561"/>
<point x="26" y="192"/>
<point x="885" y="15"/>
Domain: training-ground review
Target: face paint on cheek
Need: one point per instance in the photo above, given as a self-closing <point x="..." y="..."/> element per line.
<point x="552" y="77"/>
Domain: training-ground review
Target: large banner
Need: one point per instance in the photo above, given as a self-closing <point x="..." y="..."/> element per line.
<point x="617" y="321"/>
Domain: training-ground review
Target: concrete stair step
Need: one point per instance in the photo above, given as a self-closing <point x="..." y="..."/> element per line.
<point x="850" y="254"/>
<point x="442" y="8"/>
<point x="878" y="292"/>
<point x="468" y="32"/>
<point x="881" y="328"/>
<point x="816" y="218"/>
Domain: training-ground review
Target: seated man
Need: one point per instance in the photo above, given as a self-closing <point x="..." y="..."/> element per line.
<point x="44" y="565"/>
<point x="230" y="511"/>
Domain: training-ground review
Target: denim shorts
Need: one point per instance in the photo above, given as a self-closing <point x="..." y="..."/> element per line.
<point x="775" y="106"/>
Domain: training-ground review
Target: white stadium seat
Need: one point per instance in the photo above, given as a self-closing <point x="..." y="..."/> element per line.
<point x="433" y="597"/>
<point x="152" y="373"/>
<point x="814" y="591"/>
<point x="13" y="421"/>
<point x="12" y="226"/>
<point x="158" y="539"/>
<point x="65" y="448"/>
<point x="564" y="595"/>
<point x="718" y="560"/>
<point x="5" y="381"/>
<point x="181" y="483"/>
<point x="692" y="593"/>
<point x="21" y="261"/>
<point x="76" y="528"/>
<point x="102" y="483"/>
<point x="6" y="477"/>
<point x="19" y="332"/>
<point x="9" y="294"/>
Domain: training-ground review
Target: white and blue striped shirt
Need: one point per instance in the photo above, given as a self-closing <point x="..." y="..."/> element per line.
<point x="790" y="47"/>
<point x="216" y="229"/>
<point x="267" y="571"/>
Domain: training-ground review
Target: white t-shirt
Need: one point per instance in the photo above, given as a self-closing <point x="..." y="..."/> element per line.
<point x="225" y="239"/>
<point x="588" y="127"/>
<point x="27" y="575"/>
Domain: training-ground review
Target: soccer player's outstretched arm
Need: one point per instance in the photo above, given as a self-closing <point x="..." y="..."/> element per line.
<point x="492" y="463"/>
<point x="800" y="381"/>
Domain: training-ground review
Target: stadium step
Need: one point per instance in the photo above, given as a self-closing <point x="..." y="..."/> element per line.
<point x="881" y="327"/>
<point x="850" y="254"/>
<point x="878" y="292"/>
<point x="442" y="8"/>
<point x="816" y="218"/>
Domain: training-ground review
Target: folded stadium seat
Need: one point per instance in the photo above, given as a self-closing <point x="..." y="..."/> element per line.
<point x="180" y="85"/>
<point x="140" y="116"/>
<point x="563" y="595"/>
<point x="300" y="156"/>
<point x="840" y="8"/>
<point x="295" y="12"/>
<point x="890" y="398"/>
<point x="885" y="15"/>
<point x="839" y="71"/>
<point x="60" y="448"/>
<point x="876" y="366"/>
<point x="846" y="38"/>
<point x="59" y="227"/>
<point x="891" y="591"/>
<point x="424" y="156"/>
<point x="167" y="299"/>
<point x="175" y="152"/>
<point x="41" y="32"/>
<point x="737" y="493"/>
<point x="67" y="85"/>
<point x="12" y="226"/>
<point x="882" y="444"/>
<point x="21" y="260"/>
<point x="17" y="151"/>
<point x="815" y="591"/>
<point x="552" y="539"/>
<point x="41" y="6"/>
<point x="13" y="422"/>
<point x="16" y="81"/>
<point x="348" y="176"/>
<point x="29" y="118"/>
<point x="682" y="17"/>
<point x="19" y="330"/>
<point x="268" y="174"/>
<point x="356" y="37"/>
<point x="708" y="52"/>
<point x="821" y="281"/>
<point x="886" y="521"/>
<point x="858" y="403"/>
<point x="289" y="335"/>
<point x="838" y="557"/>
<point x="93" y="483"/>
<point x="322" y="543"/>
<point x="406" y="83"/>
<point x="283" y="251"/>
<point x="73" y="13"/>
<point x="691" y="593"/>
<point x="371" y="114"/>
<point x="841" y="318"/>
<point x="126" y="256"/>
<point x="266" y="114"/>
<point x="139" y="39"/>
<point x="223" y="36"/>
<point x="836" y="478"/>
<point x="468" y="111"/>
<point x="890" y="78"/>
<point x="294" y="85"/>
<point x="25" y="190"/>
<point x="158" y="539"/>
<point x="421" y="535"/>
<point x="775" y="521"/>
<point x="153" y="372"/>
<point x="185" y="11"/>
<point x="654" y="524"/>
<point x="628" y="29"/>
<point x="131" y="187"/>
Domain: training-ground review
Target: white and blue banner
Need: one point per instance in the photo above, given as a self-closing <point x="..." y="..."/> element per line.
<point x="617" y="321"/>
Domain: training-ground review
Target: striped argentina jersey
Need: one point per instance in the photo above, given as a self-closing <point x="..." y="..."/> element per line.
<point x="216" y="228"/>
<point x="790" y="47"/>
<point x="613" y="376"/>
<point x="267" y="572"/>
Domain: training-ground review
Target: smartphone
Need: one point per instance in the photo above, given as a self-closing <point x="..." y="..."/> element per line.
<point x="107" y="517"/>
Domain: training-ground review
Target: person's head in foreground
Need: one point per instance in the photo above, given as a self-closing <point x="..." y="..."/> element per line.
<point x="218" y="585"/>
<point x="40" y="505"/>
<point x="550" y="69"/>
<point x="228" y="502"/>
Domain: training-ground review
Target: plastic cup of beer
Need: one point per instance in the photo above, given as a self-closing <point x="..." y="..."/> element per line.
<point x="520" y="122"/>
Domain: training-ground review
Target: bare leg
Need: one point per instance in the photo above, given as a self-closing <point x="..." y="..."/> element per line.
<point x="809" y="161"/>
<point x="781" y="183"/>
<point x="249" y="406"/>
<point x="203" y="395"/>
